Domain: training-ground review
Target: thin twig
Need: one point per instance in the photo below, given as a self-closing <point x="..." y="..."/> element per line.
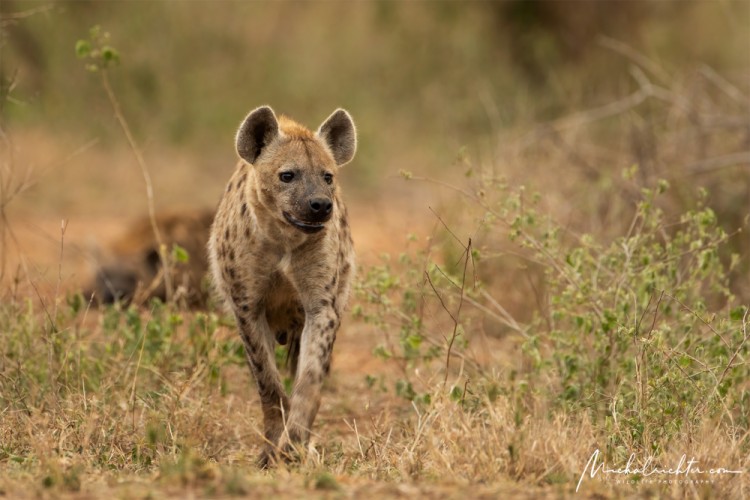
<point x="146" y="178"/>
<point x="635" y="56"/>
<point x="718" y="163"/>
<point x="10" y="18"/>
<point x="588" y="116"/>
<point x="723" y="84"/>
<point x="440" y="297"/>
<point x="699" y="317"/>
<point x="448" y="228"/>
<point x="730" y="365"/>
<point x="138" y="365"/>
<point x="656" y="312"/>
<point x="458" y="310"/>
<point x="736" y="351"/>
<point x="63" y="227"/>
<point x="445" y="185"/>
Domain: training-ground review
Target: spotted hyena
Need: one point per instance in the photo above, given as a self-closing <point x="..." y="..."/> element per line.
<point x="131" y="268"/>
<point x="281" y="255"/>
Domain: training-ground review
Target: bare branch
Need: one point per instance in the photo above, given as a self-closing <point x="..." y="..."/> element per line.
<point x="723" y="84"/>
<point x="719" y="163"/>
<point x="634" y="56"/>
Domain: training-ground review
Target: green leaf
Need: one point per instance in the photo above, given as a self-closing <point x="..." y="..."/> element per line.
<point x="83" y="48"/>
<point x="405" y="389"/>
<point x="381" y="352"/>
<point x="737" y="313"/>
<point x="456" y="393"/>
<point x="110" y="55"/>
<point x="179" y="254"/>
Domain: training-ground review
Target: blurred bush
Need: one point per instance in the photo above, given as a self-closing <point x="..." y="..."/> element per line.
<point x="422" y="79"/>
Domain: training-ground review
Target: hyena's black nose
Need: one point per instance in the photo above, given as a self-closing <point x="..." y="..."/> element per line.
<point x="321" y="207"/>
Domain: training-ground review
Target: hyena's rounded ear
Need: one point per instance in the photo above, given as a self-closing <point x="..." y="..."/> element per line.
<point x="339" y="133"/>
<point x="256" y="132"/>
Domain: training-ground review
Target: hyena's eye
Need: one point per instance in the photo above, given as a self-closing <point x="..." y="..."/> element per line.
<point x="286" y="176"/>
<point x="328" y="178"/>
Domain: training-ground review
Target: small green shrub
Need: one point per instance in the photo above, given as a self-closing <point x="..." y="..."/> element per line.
<point x="641" y="332"/>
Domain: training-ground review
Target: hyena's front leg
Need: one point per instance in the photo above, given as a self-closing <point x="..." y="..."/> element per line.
<point x="322" y="319"/>
<point x="259" y="350"/>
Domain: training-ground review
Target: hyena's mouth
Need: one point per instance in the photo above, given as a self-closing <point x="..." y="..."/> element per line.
<point x="306" y="227"/>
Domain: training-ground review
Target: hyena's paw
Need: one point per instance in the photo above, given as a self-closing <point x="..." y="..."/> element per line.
<point x="267" y="458"/>
<point x="291" y="447"/>
<point x="271" y="456"/>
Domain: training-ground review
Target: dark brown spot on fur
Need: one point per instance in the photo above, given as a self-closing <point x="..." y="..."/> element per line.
<point x="237" y="293"/>
<point x="256" y="312"/>
<point x="266" y="393"/>
<point x="254" y="348"/>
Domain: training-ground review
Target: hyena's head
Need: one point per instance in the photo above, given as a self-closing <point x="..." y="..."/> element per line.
<point x="296" y="168"/>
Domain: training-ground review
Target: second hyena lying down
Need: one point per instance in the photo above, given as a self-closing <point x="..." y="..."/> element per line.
<point x="132" y="268"/>
<point x="281" y="255"/>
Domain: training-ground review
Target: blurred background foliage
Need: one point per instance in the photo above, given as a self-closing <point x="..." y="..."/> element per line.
<point x="443" y="90"/>
<point x="421" y="78"/>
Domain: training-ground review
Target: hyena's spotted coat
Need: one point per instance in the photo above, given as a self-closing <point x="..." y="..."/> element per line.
<point x="281" y="255"/>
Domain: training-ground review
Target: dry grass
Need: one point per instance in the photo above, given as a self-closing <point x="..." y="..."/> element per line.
<point x="107" y="419"/>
